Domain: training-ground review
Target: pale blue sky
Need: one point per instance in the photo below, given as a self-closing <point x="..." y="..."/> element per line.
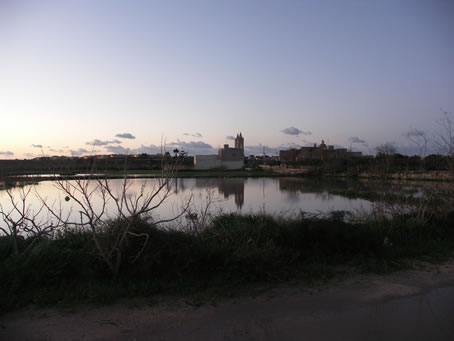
<point x="194" y="72"/>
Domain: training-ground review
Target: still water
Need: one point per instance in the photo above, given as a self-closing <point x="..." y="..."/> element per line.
<point x="282" y="196"/>
<point x="243" y="195"/>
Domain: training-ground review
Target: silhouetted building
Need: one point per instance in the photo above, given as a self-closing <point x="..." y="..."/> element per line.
<point x="228" y="158"/>
<point x="321" y="152"/>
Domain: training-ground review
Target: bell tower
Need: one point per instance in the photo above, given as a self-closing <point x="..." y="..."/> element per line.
<point x="239" y="142"/>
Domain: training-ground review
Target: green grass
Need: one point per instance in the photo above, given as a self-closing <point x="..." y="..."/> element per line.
<point x="234" y="252"/>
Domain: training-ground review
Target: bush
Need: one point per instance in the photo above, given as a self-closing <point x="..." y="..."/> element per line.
<point x="233" y="251"/>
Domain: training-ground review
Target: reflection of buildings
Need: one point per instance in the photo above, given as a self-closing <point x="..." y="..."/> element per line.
<point x="229" y="158"/>
<point x="235" y="187"/>
<point x="226" y="187"/>
<point x="322" y="152"/>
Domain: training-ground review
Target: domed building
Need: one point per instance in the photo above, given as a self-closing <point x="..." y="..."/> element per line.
<point x="320" y="152"/>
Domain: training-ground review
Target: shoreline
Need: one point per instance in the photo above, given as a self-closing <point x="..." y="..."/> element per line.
<point x="435" y="176"/>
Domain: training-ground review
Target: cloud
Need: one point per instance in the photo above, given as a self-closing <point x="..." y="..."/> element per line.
<point x="118" y="150"/>
<point x="415" y="133"/>
<point x="8" y="153"/>
<point x="125" y="136"/>
<point x="56" y="150"/>
<point x="355" y="139"/>
<point x="79" y="152"/>
<point x="97" y="142"/>
<point x="37" y="145"/>
<point x="193" y="135"/>
<point x="29" y="155"/>
<point x="151" y="149"/>
<point x="289" y="146"/>
<point x="193" y="147"/>
<point x="230" y="137"/>
<point x="295" y="131"/>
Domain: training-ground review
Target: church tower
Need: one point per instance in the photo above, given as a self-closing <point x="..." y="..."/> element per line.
<point x="239" y="142"/>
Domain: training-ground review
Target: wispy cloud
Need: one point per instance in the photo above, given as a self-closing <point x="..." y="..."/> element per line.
<point x="7" y="153"/>
<point x="192" y="148"/>
<point x="415" y="133"/>
<point x="151" y="149"/>
<point x="97" y="142"/>
<point x="193" y="135"/>
<point x="118" y="150"/>
<point x="289" y="146"/>
<point x="356" y="139"/>
<point x="37" y="145"/>
<point x="295" y="131"/>
<point x="230" y="137"/>
<point x="125" y="136"/>
<point x="80" y="151"/>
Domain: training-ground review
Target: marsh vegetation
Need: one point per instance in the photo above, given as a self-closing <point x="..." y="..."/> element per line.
<point x="100" y="257"/>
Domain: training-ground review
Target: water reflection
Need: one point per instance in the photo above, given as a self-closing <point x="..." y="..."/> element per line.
<point x="225" y="187"/>
<point x="250" y="195"/>
<point x="272" y="195"/>
<point x="235" y="187"/>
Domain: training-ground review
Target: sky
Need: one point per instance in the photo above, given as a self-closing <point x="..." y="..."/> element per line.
<point x="106" y="76"/>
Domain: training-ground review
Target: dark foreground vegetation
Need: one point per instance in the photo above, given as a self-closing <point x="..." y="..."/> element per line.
<point x="231" y="253"/>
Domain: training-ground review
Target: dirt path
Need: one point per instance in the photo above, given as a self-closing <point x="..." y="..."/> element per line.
<point x="413" y="305"/>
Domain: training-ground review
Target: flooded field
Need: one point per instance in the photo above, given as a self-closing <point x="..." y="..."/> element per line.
<point x="281" y="196"/>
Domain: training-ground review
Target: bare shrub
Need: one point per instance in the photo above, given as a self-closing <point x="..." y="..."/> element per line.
<point x="108" y="211"/>
<point x="444" y="138"/>
<point x="129" y="206"/>
<point x="199" y="216"/>
<point x="20" y="219"/>
<point x="419" y="139"/>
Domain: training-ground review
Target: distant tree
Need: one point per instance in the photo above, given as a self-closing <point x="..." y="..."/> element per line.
<point x="385" y="152"/>
<point x="176" y="151"/>
<point x="444" y="138"/>
<point x="385" y="149"/>
<point x="420" y="139"/>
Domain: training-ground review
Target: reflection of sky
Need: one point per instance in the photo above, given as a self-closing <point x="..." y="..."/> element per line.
<point x="271" y="195"/>
<point x="230" y="195"/>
